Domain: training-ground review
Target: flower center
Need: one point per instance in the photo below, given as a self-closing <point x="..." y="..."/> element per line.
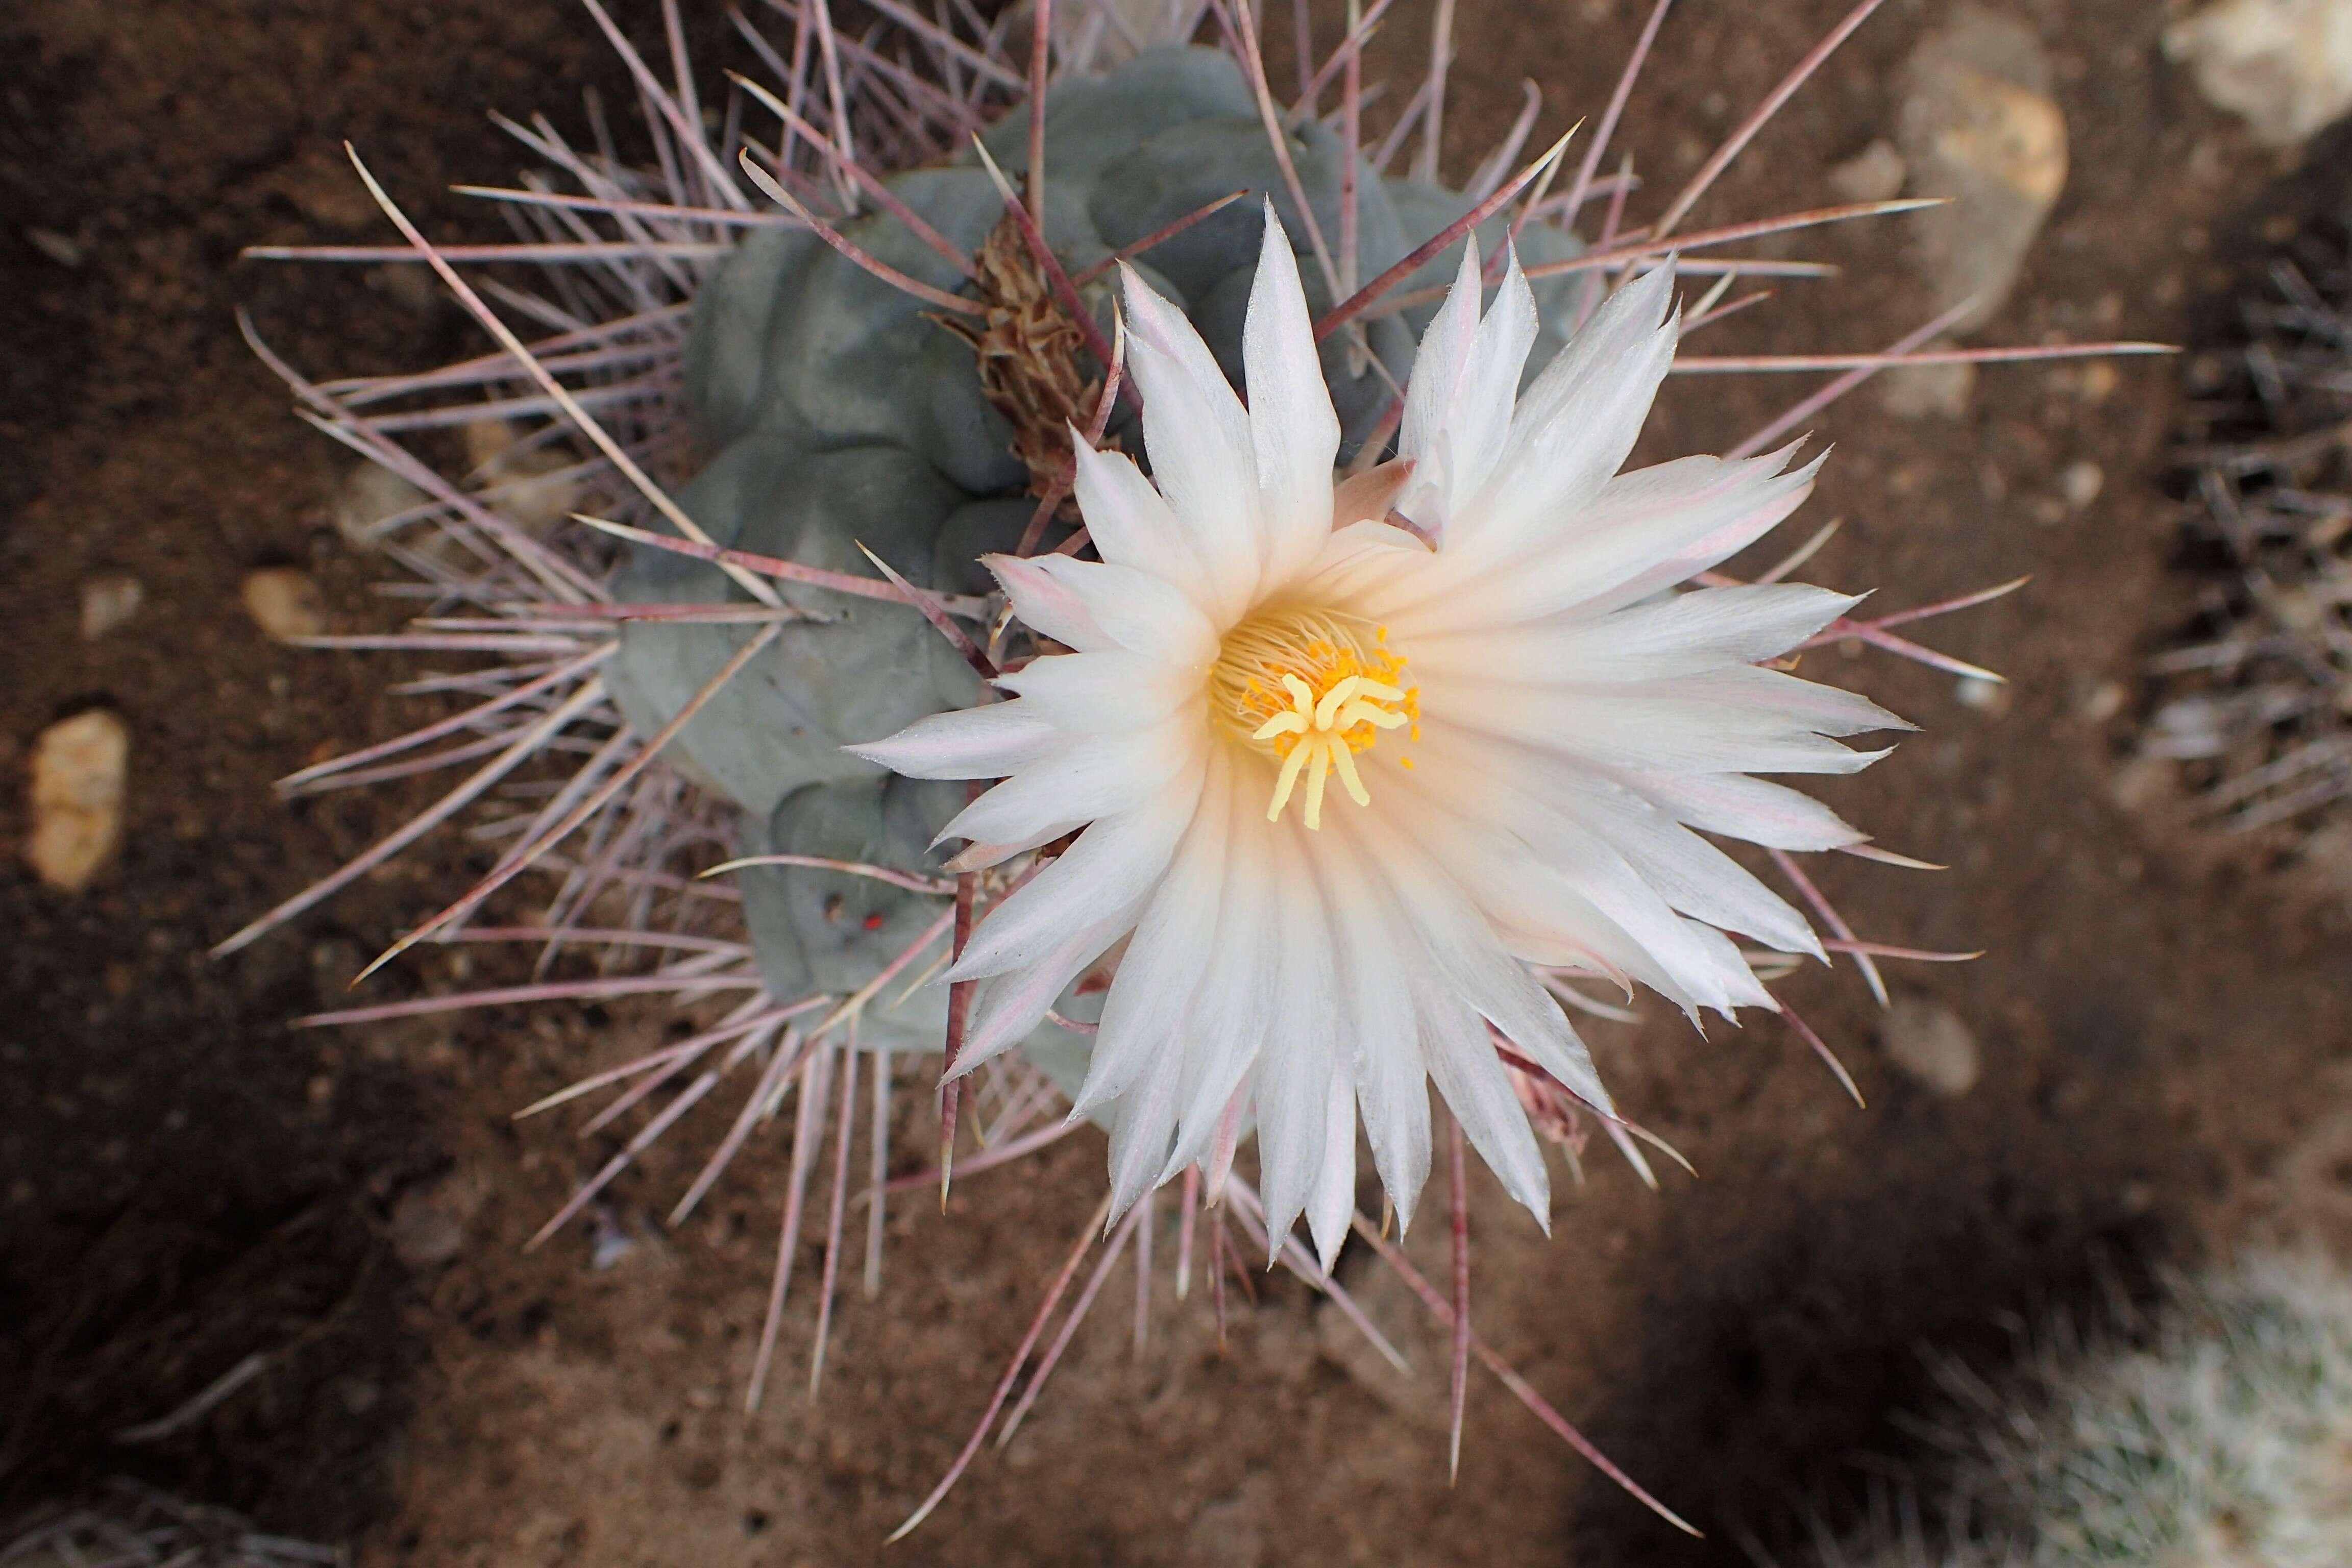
<point x="1307" y="688"/>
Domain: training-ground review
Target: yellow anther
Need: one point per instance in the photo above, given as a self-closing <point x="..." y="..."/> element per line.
<point x="1341" y="691"/>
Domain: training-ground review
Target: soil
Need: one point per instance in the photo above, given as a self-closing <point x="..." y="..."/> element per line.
<point x="185" y="1183"/>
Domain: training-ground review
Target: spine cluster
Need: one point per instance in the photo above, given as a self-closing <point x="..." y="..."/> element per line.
<point x="2216" y="1436"/>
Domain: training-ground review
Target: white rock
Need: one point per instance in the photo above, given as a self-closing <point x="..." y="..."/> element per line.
<point x="1928" y="1041"/>
<point x="2105" y="701"/>
<point x="79" y="766"/>
<point x="1978" y="125"/>
<point x="367" y="496"/>
<point x="1928" y="391"/>
<point x="1991" y="697"/>
<point x="2080" y="482"/>
<point x="285" y="602"/>
<point x="108" y="601"/>
<point x="1873" y="174"/>
<point x="429" y="1224"/>
<point x="413" y="289"/>
<point x="2326" y="862"/>
<point x="2145" y="782"/>
<point x="2284" y="65"/>
<point x="61" y="248"/>
<point x="526" y="483"/>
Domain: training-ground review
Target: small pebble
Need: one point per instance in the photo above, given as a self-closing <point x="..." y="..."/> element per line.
<point x="2080" y="482"/>
<point x="1985" y="695"/>
<point x="2327" y="860"/>
<point x="2091" y="381"/>
<point x="79" y="766"/>
<point x="285" y="602"/>
<point x="1928" y="391"/>
<point x="2284" y="65"/>
<point x="609" y="1244"/>
<point x="429" y="1223"/>
<point x="327" y="190"/>
<point x="108" y="601"/>
<point x="2106" y="700"/>
<point x="2142" y="783"/>
<point x="425" y="1235"/>
<point x="526" y="483"/>
<point x="367" y="496"/>
<point x="1873" y="174"/>
<point x="58" y="248"/>
<point x="413" y="289"/>
<point x="485" y="441"/>
<point x="1928" y="1041"/>
<point x="1979" y="124"/>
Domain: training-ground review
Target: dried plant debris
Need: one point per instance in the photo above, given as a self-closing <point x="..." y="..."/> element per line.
<point x="2256" y="703"/>
<point x="133" y="1526"/>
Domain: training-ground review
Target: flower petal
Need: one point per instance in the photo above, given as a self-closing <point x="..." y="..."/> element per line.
<point x="992" y="741"/>
<point x="1199" y="440"/>
<point x="1176" y="943"/>
<point x="1240" y="994"/>
<point x="1690" y="874"/>
<point x="1824" y="710"/>
<point x="1576" y="425"/>
<point x="1007" y="1008"/>
<point x="1481" y="420"/>
<point x="1392" y="1080"/>
<point x="1642" y="729"/>
<point x="1091" y="606"/>
<point x="1140" y="1054"/>
<point x="1048" y="604"/>
<point x="1086" y="780"/>
<point x="1140" y="1129"/>
<point x="1296" y="1068"/>
<point x="1293" y="432"/>
<point x="1469" y="1074"/>
<point x="1431" y="393"/>
<point x="1103" y="692"/>
<point x="1754" y="810"/>
<point x="1332" y="1201"/>
<point x="1644" y="532"/>
<point x="1114" y="862"/>
<point x="1132" y="526"/>
<point x="1686" y="634"/>
<point x="1555" y="872"/>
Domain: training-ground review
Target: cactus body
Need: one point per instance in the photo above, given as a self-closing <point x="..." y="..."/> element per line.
<point x="2221" y="1438"/>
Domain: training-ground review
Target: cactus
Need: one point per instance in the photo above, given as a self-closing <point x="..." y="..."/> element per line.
<point x="134" y="1526"/>
<point x="2219" y="1436"/>
<point x="2254" y="706"/>
<point x="714" y="368"/>
<point x="841" y="414"/>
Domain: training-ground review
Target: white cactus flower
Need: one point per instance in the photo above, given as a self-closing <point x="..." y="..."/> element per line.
<point x="1528" y="731"/>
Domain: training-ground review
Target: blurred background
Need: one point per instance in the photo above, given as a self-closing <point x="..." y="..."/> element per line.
<point x="281" y="1272"/>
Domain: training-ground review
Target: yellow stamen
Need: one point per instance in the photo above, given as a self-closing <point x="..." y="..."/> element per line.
<point x="1306" y="686"/>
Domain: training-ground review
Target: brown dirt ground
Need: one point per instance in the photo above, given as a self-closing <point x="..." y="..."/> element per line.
<point x="183" y="1182"/>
